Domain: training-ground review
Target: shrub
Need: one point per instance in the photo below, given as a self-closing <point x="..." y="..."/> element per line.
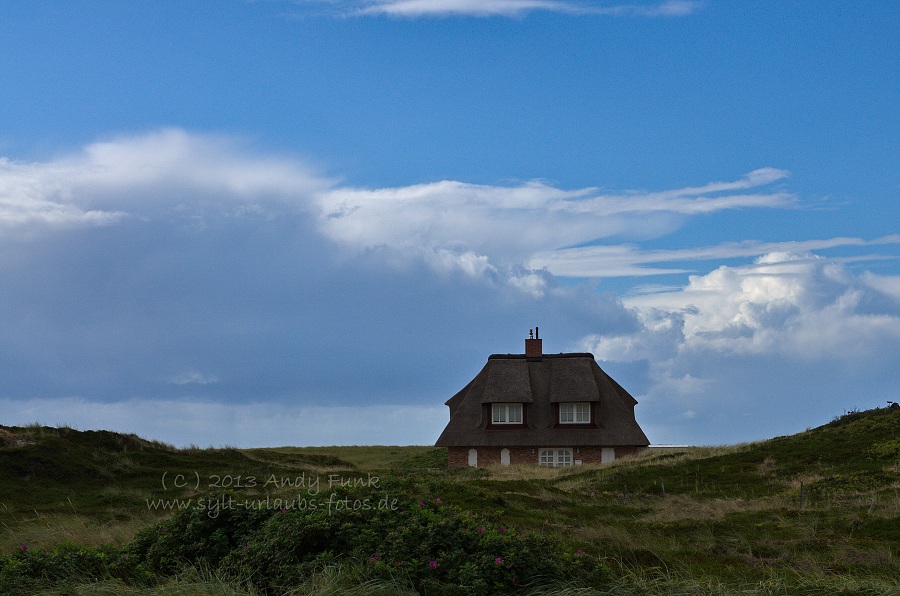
<point x="436" y="548"/>
<point x="204" y="534"/>
<point x="424" y="543"/>
<point x="26" y="570"/>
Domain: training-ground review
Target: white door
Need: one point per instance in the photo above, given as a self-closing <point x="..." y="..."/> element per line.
<point x="607" y="454"/>
<point x="504" y="457"/>
<point x="473" y="458"/>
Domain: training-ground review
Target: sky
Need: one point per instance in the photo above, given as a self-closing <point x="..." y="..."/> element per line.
<point x="310" y="222"/>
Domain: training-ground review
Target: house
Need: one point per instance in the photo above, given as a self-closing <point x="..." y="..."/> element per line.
<point x="536" y="408"/>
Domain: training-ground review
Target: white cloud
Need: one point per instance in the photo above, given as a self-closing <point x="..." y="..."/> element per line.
<point x="509" y="224"/>
<point x="170" y="170"/>
<point x="468" y="262"/>
<point x="511" y="8"/>
<point x="792" y="310"/>
<point x="533" y="283"/>
<point x="498" y="234"/>
<point x="477" y="229"/>
<point x="631" y="261"/>
<point x="176" y="158"/>
<point x="32" y="194"/>
<point x="671" y="8"/>
<point x="164" y="313"/>
<point x="883" y="284"/>
<point x="778" y="344"/>
<point x="416" y="8"/>
<point x="192" y="377"/>
<point x="791" y="303"/>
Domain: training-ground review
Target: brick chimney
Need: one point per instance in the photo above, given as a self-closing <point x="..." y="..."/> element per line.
<point x="533" y="347"/>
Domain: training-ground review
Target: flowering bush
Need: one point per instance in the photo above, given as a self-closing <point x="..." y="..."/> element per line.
<point x="435" y="547"/>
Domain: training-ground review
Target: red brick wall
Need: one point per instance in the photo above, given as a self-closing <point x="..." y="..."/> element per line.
<point x="587" y="455"/>
<point x="458" y="457"/>
<point x="533" y="348"/>
<point x="623" y="451"/>
<point x="522" y="455"/>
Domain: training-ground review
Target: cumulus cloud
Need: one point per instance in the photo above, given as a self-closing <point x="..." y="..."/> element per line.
<point x="742" y="339"/>
<point x="509" y="224"/>
<point x="165" y="171"/>
<point x="34" y="195"/>
<point x="510" y="8"/>
<point x="794" y="303"/>
<point x="479" y="229"/>
<point x="168" y="258"/>
<point x="177" y="158"/>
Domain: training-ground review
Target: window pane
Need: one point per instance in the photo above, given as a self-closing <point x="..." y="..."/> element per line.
<point x="566" y="413"/>
<point x="582" y="412"/>
<point x="506" y="413"/>
<point x="515" y="413"/>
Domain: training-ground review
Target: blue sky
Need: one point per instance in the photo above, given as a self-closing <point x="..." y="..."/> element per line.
<point x="273" y="222"/>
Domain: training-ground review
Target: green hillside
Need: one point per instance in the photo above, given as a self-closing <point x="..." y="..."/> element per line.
<point x="816" y="512"/>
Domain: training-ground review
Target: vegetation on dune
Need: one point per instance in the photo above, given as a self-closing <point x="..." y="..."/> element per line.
<point x="816" y="512"/>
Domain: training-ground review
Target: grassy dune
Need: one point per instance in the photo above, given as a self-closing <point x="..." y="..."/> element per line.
<point x="816" y="512"/>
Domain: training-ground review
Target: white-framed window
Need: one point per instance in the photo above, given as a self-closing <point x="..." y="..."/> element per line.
<point x="555" y="457"/>
<point x="506" y="413"/>
<point x="575" y="413"/>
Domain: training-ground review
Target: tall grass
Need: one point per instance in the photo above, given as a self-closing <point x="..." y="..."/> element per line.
<point x="190" y="582"/>
<point x="373" y="457"/>
<point x="46" y="531"/>
<point x="698" y="520"/>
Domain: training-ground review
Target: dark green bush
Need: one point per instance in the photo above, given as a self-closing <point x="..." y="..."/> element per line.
<point x="25" y="571"/>
<point x="435" y="547"/>
<point x="420" y="541"/>
<point x="203" y="534"/>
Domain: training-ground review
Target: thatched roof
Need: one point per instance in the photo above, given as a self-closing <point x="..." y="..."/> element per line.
<point x="539" y="383"/>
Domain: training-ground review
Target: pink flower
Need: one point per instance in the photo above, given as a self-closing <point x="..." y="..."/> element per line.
<point x="432" y="564"/>
<point x="579" y="552"/>
<point x="480" y="530"/>
<point x="374" y="558"/>
<point x="421" y="503"/>
<point x="25" y="548"/>
<point x="498" y="561"/>
<point x="438" y="500"/>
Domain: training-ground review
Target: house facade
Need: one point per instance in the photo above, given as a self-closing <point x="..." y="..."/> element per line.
<point x="545" y="409"/>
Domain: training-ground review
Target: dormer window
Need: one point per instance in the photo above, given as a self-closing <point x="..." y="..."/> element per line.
<point x="575" y="413"/>
<point x="506" y="413"/>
